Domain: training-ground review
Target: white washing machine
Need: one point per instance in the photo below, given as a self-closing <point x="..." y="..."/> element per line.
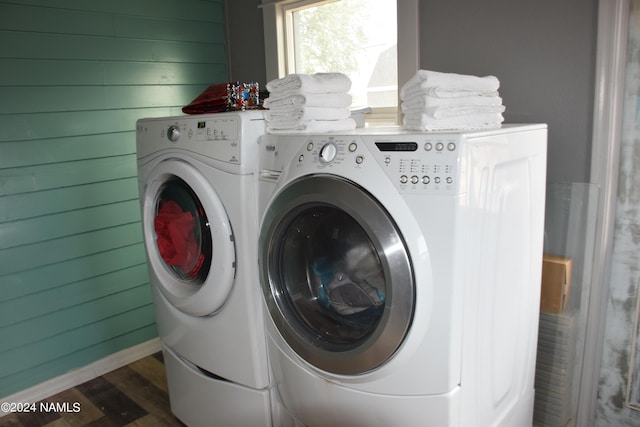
<point x="198" y="181"/>
<point x="401" y="274"/>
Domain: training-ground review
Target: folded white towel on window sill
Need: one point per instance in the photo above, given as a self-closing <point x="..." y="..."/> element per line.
<point x="311" y="83"/>
<point x="455" y="111"/>
<point x="313" y="126"/>
<point x="459" y="93"/>
<point x="423" y="100"/>
<point x="289" y="98"/>
<point x="449" y="84"/>
<point x="301" y="113"/>
<point x="469" y="122"/>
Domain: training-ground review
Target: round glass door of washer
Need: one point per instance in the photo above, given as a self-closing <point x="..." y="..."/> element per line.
<point x="336" y="275"/>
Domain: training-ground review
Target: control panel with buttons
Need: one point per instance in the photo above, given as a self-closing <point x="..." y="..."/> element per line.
<point x="415" y="163"/>
<point x="421" y="163"/>
<point x="327" y="151"/>
<point x="226" y="141"/>
<point x="213" y="137"/>
<point x="202" y="130"/>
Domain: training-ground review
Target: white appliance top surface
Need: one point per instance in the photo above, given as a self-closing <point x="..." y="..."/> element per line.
<point x="399" y="130"/>
<point x="247" y="114"/>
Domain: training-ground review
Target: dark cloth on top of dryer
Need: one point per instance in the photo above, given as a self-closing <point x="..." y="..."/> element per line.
<point x="176" y="239"/>
<point x="232" y="96"/>
<point x="212" y="100"/>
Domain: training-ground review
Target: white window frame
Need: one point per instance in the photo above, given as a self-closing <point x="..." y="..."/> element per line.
<point x="274" y="11"/>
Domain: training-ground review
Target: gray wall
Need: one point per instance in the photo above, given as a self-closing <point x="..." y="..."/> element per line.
<point x="542" y="51"/>
<point x="245" y="38"/>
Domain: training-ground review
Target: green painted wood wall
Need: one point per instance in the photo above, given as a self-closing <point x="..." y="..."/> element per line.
<point x="75" y="75"/>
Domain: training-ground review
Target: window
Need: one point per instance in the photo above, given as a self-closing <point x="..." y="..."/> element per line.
<point x="320" y="39"/>
<point x="356" y="37"/>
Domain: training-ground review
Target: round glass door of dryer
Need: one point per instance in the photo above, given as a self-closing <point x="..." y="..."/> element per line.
<point x="188" y="238"/>
<point x="336" y="275"/>
<point x="182" y="232"/>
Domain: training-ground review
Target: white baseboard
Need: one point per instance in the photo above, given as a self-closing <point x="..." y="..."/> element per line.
<point x="84" y="374"/>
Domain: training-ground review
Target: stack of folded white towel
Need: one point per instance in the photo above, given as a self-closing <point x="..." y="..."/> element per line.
<point x="309" y="103"/>
<point x="434" y="101"/>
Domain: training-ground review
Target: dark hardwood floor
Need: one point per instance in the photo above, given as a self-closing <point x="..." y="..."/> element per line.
<point x="135" y="396"/>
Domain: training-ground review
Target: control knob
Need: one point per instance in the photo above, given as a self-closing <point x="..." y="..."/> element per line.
<point x="328" y="153"/>
<point x="173" y="133"/>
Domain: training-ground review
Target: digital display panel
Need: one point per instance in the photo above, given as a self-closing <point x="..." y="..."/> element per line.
<point x="397" y="146"/>
<point x="202" y="125"/>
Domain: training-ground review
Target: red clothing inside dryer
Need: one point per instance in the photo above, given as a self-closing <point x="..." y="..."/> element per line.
<point x="175" y="237"/>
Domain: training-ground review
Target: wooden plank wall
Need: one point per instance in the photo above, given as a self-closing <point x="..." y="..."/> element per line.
<point x="75" y="76"/>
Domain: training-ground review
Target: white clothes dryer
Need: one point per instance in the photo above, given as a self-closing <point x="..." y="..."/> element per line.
<point x="401" y="274"/>
<point x="198" y="182"/>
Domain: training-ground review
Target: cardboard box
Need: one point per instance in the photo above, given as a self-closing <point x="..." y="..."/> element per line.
<point x="556" y="282"/>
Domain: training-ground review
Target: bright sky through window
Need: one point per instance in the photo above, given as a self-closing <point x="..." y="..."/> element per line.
<point x="355" y="37"/>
